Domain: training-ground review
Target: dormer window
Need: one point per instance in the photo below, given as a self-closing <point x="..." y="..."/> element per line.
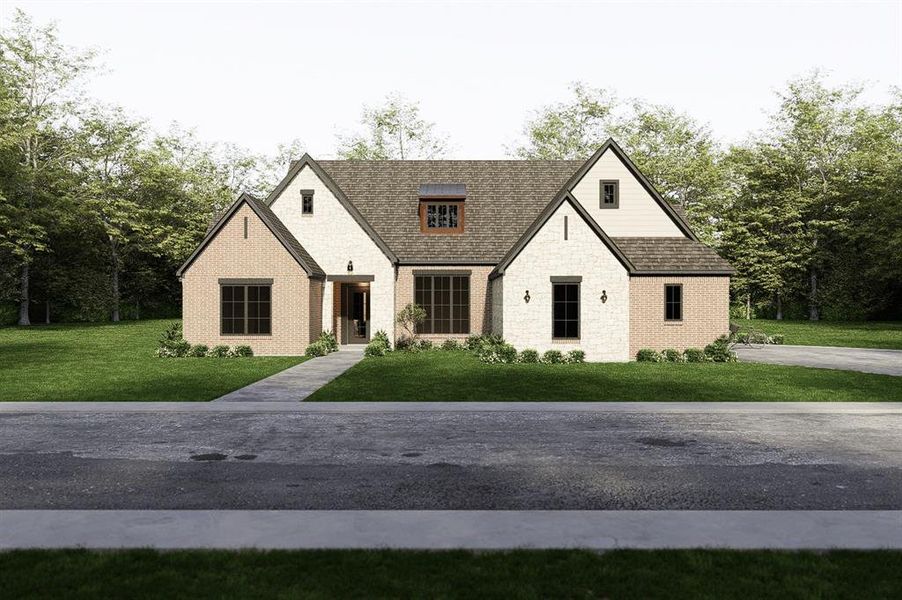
<point x="610" y="193"/>
<point x="306" y="202"/>
<point x="442" y="208"/>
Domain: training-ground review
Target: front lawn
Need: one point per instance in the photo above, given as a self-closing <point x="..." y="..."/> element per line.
<point x="861" y="334"/>
<point x="459" y="376"/>
<point x="620" y="574"/>
<point x="115" y="362"/>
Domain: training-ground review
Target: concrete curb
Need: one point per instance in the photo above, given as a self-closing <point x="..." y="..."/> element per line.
<point x="386" y="407"/>
<point x="600" y="530"/>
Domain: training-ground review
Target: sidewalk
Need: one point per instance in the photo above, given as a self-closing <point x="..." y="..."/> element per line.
<point x="415" y="529"/>
<point x="298" y="382"/>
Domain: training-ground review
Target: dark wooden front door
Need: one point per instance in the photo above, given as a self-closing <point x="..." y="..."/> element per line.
<point x="355" y="313"/>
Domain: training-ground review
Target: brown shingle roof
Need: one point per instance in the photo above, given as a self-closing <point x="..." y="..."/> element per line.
<point x="504" y="197"/>
<point x="285" y="236"/>
<point x="671" y="255"/>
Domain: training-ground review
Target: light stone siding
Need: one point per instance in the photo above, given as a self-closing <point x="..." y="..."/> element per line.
<point x="333" y="237"/>
<point x="706" y="313"/>
<point x="480" y="299"/>
<point x="638" y="213"/>
<point x="604" y="327"/>
<point x="261" y="256"/>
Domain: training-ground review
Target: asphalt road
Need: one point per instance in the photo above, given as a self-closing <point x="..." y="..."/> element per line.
<point x="451" y="460"/>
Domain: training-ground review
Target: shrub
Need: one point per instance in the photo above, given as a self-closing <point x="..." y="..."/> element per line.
<point x="410" y="317"/>
<point x="377" y="347"/>
<point x="529" y="356"/>
<point x="218" y="352"/>
<point x="315" y="349"/>
<point x="720" y="350"/>
<point x="671" y="355"/>
<point x="172" y="344"/>
<point x="477" y="342"/>
<point x="381" y="336"/>
<point x="553" y="357"/>
<point x="406" y="344"/>
<point x="497" y="353"/>
<point x="424" y="345"/>
<point x="575" y="357"/>
<point x="694" y="355"/>
<point x="328" y="340"/>
<point x="241" y="351"/>
<point x="648" y="355"/>
<point x="450" y="345"/>
<point x="198" y="351"/>
<point x="777" y="338"/>
<point x="473" y="342"/>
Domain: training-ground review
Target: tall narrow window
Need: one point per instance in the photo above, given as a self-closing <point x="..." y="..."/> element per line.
<point x="673" y="302"/>
<point x="307" y="202"/>
<point x="610" y="193"/>
<point x="246" y="309"/>
<point x="245" y="227"/>
<point x="565" y="310"/>
<point x="446" y="299"/>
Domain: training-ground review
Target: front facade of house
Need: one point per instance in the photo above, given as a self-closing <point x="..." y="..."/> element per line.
<point x="549" y="254"/>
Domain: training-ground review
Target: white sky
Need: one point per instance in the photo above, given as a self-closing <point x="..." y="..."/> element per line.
<point x="258" y="74"/>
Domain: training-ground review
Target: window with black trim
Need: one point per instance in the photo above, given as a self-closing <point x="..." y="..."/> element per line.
<point x="446" y="299"/>
<point x="610" y="193"/>
<point x="673" y="302"/>
<point x="307" y="203"/>
<point x="565" y="310"/>
<point x="246" y="309"/>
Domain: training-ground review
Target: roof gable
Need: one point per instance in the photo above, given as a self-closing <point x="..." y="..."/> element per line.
<point x="272" y="222"/>
<point x="307" y="161"/>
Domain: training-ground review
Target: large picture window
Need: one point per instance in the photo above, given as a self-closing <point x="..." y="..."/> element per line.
<point x="565" y="311"/>
<point x="246" y="309"/>
<point x="673" y="302"/>
<point x="446" y="299"/>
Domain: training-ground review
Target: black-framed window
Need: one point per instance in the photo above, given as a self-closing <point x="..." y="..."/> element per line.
<point x="246" y="309"/>
<point x="442" y="216"/>
<point x="673" y="302"/>
<point x="446" y="299"/>
<point x="610" y="193"/>
<point x="307" y="203"/>
<point x="565" y="310"/>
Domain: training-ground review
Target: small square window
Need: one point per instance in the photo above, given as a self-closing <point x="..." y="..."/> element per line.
<point x="610" y="193"/>
<point x="307" y="202"/>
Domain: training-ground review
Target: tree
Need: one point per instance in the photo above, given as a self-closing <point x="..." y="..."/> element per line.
<point x="411" y="317"/>
<point x="395" y="130"/>
<point x="41" y="97"/>
<point x="109" y="144"/>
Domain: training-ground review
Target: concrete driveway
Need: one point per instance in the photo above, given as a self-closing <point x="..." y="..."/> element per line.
<point x="691" y="456"/>
<point x="866" y="360"/>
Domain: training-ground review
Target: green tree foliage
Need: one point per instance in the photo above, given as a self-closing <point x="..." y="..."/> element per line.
<point x="394" y="130"/>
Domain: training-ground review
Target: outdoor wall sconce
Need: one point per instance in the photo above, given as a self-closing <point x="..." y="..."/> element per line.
<point x="604" y="296"/>
<point x="526" y="297"/>
<point x="350" y="266"/>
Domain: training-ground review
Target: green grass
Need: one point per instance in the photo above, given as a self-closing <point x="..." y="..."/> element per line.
<point x="115" y="362"/>
<point x="622" y="574"/>
<point x="459" y="376"/>
<point x="862" y="334"/>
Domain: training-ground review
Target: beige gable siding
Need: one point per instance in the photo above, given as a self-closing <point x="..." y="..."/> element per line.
<point x="333" y="237"/>
<point x="604" y="327"/>
<point x="706" y="313"/>
<point x="480" y="298"/>
<point x="638" y="213"/>
<point x="261" y="256"/>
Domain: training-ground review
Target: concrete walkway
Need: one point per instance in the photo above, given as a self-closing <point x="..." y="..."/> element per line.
<point x="425" y="529"/>
<point x="866" y="360"/>
<point x="298" y="382"/>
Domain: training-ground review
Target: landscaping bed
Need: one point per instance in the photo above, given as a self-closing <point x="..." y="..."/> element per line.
<point x="116" y="362"/>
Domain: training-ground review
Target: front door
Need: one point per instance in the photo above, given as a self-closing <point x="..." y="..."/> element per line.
<point x="355" y="311"/>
